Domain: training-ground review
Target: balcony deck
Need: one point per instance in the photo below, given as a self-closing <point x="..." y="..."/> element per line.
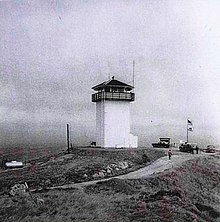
<point x="122" y="96"/>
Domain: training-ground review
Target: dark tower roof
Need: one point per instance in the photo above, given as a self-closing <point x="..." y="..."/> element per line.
<point x="113" y="83"/>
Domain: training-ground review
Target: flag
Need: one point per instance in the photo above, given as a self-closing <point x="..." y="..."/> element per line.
<point x="190" y="128"/>
<point x="189" y="125"/>
<point x="189" y="122"/>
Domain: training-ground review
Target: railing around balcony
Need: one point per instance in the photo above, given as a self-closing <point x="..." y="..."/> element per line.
<point x="113" y="96"/>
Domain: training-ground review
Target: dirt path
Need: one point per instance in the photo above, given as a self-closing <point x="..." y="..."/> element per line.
<point x="158" y="166"/>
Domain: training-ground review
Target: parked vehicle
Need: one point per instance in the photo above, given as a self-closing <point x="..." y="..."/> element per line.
<point x="209" y="149"/>
<point x="163" y="143"/>
<point x="188" y="147"/>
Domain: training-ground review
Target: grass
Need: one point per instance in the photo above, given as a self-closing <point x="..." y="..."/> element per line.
<point x="63" y="169"/>
<point x="187" y="193"/>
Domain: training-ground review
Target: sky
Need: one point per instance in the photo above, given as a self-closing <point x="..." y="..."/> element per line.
<point x="53" y="52"/>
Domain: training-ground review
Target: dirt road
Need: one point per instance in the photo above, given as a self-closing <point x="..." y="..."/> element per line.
<point x="158" y="166"/>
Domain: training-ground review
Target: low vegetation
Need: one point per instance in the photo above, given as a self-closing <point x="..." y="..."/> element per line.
<point x="78" y="166"/>
<point x="190" y="192"/>
<point x="187" y="193"/>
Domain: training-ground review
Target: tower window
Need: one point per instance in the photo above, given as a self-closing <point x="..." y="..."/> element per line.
<point x="120" y="89"/>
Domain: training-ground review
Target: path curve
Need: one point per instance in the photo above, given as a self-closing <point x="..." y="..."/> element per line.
<point x="157" y="166"/>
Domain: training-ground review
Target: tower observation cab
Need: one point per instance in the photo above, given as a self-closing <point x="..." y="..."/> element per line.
<point x="113" y="90"/>
<point x="113" y="114"/>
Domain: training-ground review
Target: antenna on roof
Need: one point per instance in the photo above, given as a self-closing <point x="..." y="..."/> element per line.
<point x="133" y="71"/>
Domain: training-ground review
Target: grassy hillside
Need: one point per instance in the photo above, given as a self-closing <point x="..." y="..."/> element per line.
<point x="62" y="169"/>
<point x="188" y="193"/>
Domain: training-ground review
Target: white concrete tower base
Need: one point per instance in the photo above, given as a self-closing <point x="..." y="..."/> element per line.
<point x="113" y="125"/>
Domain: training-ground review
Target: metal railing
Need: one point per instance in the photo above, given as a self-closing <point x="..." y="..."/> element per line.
<point x="113" y="96"/>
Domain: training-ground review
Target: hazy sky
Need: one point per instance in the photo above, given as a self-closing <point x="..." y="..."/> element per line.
<point x="53" y="52"/>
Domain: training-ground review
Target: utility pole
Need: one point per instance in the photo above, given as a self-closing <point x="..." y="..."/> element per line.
<point x="133" y="71"/>
<point x="187" y="133"/>
<point x="68" y="138"/>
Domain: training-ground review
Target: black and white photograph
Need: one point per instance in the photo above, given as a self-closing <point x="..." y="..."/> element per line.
<point x="110" y="110"/>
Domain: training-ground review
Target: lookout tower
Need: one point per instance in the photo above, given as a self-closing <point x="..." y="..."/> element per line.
<point x="113" y="100"/>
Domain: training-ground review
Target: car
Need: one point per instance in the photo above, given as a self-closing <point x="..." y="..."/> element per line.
<point x="188" y="147"/>
<point x="185" y="148"/>
<point x="163" y="143"/>
<point x="209" y="149"/>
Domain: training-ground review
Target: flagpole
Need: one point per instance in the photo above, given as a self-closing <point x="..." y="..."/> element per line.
<point x="133" y="73"/>
<point x="187" y="132"/>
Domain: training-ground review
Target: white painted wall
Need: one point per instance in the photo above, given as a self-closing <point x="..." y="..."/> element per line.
<point x="113" y="124"/>
<point x="133" y="141"/>
<point x="100" y="123"/>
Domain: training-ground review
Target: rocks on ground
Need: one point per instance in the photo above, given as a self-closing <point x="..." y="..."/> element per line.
<point x="20" y="193"/>
<point x="111" y="168"/>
